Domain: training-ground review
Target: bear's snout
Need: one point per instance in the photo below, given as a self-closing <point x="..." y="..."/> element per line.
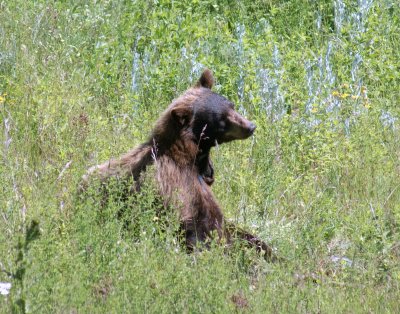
<point x="239" y="128"/>
<point x="247" y="129"/>
<point x="252" y="127"/>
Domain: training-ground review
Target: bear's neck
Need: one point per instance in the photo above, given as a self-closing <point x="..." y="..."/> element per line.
<point x="185" y="153"/>
<point x="182" y="147"/>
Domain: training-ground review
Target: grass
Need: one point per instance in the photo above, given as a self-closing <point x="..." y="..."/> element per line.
<point x="83" y="81"/>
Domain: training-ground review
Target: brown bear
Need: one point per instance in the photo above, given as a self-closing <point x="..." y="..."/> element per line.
<point x="179" y="149"/>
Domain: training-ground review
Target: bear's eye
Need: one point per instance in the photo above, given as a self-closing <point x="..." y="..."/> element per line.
<point x="222" y="124"/>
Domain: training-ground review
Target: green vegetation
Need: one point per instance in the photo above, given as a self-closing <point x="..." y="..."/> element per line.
<point x="82" y="81"/>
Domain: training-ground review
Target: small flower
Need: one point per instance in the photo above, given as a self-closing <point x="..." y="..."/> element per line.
<point x="344" y="96"/>
<point x="335" y="93"/>
<point x="355" y="97"/>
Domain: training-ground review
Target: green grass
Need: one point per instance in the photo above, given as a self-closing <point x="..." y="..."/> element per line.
<point x="82" y="81"/>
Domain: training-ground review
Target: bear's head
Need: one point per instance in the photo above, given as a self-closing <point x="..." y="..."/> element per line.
<point x="210" y="116"/>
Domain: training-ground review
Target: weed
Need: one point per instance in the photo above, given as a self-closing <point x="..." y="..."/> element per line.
<point x="319" y="180"/>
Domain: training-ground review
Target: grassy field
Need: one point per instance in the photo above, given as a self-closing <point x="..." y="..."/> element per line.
<point x="83" y="81"/>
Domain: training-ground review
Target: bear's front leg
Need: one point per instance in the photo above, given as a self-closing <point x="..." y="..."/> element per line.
<point x="233" y="232"/>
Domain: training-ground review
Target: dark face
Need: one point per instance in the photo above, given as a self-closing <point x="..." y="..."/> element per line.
<point x="216" y="121"/>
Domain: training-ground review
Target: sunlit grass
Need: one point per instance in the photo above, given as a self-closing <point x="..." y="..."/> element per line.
<point x="84" y="82"/>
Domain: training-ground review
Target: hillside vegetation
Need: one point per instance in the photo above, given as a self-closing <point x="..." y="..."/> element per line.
<point x="84" y="81"/>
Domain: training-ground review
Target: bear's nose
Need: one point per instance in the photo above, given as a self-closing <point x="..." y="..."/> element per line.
<point x="252" y="127"/>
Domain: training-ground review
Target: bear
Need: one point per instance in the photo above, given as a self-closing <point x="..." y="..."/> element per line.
<point x="179" y="150"/>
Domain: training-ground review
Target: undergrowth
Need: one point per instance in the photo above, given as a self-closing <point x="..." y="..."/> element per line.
<point x="83" y="81"/>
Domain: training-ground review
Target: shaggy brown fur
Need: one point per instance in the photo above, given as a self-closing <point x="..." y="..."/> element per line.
<point x="179" y="148"/>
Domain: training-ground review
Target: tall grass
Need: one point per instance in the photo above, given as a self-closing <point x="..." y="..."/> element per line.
<point x="81" y="82"/>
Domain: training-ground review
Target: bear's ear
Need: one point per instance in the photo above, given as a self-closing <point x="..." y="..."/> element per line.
<point x="182" y="114"/>
<point x="206" y="79"/>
